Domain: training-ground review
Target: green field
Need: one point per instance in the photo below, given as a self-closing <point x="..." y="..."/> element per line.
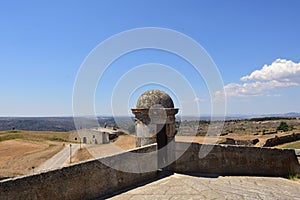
<point x="34" y="135"/>
<point x="292" y="145"/>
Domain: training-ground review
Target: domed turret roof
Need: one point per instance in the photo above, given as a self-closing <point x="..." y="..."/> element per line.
<point x="153" y="98"/>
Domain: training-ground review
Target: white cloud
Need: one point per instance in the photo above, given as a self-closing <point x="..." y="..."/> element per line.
<point x="197" y="99"/>
<point x="280" y="70"/>
<point x="280" y="74"/>
<point x="255" y="88"/>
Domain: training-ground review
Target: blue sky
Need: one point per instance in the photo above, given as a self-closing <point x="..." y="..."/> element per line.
<point x="44" y="43"/>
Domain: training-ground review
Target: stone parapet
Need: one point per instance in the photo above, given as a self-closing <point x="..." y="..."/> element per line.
<point x="85" y="180"/>
<point x="235" y="160"/>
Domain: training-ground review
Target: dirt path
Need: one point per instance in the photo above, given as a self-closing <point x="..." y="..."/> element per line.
<point x="198" y="139"/>
<point x="60" y="159"/>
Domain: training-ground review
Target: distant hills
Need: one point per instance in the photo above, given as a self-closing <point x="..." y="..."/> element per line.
<point x="239" y="116"/>
<point x="290" y="114"/>
<point x="49" y="123"/>
<point x="67" y="123"/>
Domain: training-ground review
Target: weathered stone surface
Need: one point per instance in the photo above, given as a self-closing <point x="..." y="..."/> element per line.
<point x="282" y="140"/>
<point x="147" y="116"/>
<point x="155" y="120"/>
<point x="85" y="180"/>
<point x="154" y="97"/>
<point x="248" y="143"/>
<point x="179" y="186"/>
<point x="235" y="160"/>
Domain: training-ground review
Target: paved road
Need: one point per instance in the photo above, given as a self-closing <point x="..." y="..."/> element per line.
<point x="60" y="159"/>
<point x="180" y="186"/>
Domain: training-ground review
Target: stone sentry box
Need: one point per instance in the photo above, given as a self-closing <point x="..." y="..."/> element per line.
<point x="155" y="123"/>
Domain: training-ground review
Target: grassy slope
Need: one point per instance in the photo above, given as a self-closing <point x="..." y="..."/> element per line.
<point x="292" y="145"/>
<point x="22" y="150"/>
<point x="34" y="135"/>
<point x="81" y="155"/>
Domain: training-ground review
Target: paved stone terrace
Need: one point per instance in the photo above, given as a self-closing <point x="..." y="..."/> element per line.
<point x="179" y="186"/>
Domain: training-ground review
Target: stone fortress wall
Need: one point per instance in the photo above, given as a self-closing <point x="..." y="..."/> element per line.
<point x="86" y="180"/>
<point x="92" y="179"/>
<point x="235" y="160"/>
<point x="282" y="140"/>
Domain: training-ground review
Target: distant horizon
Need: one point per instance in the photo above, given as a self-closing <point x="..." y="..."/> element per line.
<point x="202" y="115"/>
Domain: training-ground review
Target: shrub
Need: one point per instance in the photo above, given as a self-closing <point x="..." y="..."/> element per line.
<point x="283" y="126"/>
<point x="11" y="137"/>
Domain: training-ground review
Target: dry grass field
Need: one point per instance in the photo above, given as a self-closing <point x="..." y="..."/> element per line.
<point x="22" y="150"/>
<point x="248" y="129"/>
<point x="240" y="127"/>
<point x="198" y="139"/>
<point x="125" y="142"/>
<point x="218" y="139"/>
<point x="291" y="145"/>
<point x="81" y="155"/>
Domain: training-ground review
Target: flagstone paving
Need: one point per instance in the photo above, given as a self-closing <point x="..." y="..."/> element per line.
<point x="179" y="186"/>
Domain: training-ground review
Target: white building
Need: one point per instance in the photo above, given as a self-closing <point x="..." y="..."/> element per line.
<point x="89" y="136"/>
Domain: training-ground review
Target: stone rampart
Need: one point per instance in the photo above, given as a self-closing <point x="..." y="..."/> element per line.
<point x="85" y="180"/>
<point x="248" y="143"/>
<point x="282" y="140"/>
<point x="235" y="160"/>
